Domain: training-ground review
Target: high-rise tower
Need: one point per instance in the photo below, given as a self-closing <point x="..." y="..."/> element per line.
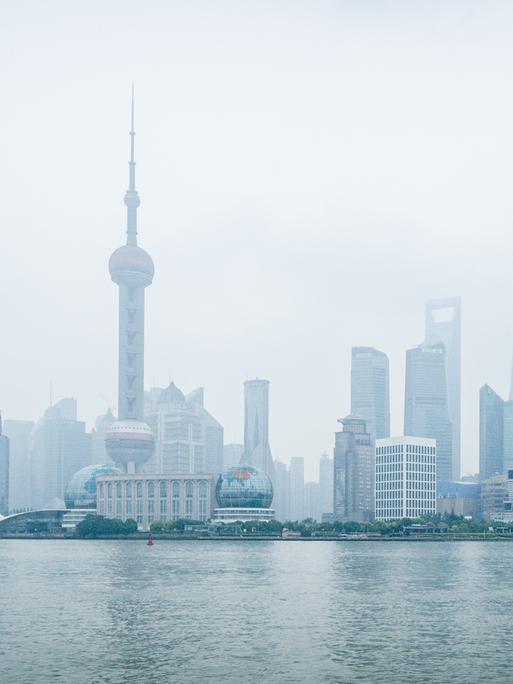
<point x="129" y="440"/>
<point x="443" y="325"/>
<point x="370" y="394"/>
<point x="257" y="451"/>
<point x="426" y="412"/>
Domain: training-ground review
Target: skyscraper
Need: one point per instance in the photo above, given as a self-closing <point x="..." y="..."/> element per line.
<point x="353" y="482"/>
<point x="102" y="424"/>
<point x="59" y="447"/>
<point x="426" y="412"/>
<point x="312" y="501"/>
<point x="18" y="432"/>
<point x="326" y="484"/>
<point x="297" y="488"/>
<point x="443" y="325"/>
<point x="129" y="440"/>
<point x="491" y="433"/>
<point x="4" y="472"/>
<point x="281" y="499"/>
<point x="232" y="455"/>
<point x="188" y="438"/>
<point x="507" y="436"/>
<point x="370" y="393"/>
<point x="257" y="451"/>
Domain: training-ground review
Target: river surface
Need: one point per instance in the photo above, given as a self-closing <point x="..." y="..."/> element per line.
<point x="119" y="612"/>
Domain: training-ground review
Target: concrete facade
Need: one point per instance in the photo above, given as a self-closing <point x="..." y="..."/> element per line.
<point x="145" y="498"/>
<point x="405" y="478"/>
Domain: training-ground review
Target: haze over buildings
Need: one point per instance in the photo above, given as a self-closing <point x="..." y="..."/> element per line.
<point x="253" y="267"/>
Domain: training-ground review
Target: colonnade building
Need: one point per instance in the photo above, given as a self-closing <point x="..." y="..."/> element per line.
<point x="146" y="498"/>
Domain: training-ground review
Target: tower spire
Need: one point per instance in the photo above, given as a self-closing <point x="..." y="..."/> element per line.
<point x="131" y="197"/>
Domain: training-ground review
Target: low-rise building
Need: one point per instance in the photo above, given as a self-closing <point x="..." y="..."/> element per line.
<point x="493" y="494"/>
<point x="458" y="498"/>
<point x="146" y="498"/>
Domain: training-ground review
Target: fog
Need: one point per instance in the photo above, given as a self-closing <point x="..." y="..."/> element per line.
<point x="310" y="173"/>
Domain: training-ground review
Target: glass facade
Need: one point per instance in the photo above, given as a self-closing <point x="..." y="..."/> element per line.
<point x="491" y="433"/>
<point x="370" y="395"/>
<point x="244" y="487"/>
<point x="426" y="409"/>
<point x="81" y="490"/>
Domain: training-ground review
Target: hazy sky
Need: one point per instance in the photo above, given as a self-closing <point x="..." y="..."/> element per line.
<point x="310" y="173"/>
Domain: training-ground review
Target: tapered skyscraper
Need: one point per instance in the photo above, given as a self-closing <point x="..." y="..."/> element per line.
<point x="426" y="412"/>
<point x="257" y="451"/>
<point x="370" y="394"/>
<point x="443" y="325"/>
<point x="129" y="441"/>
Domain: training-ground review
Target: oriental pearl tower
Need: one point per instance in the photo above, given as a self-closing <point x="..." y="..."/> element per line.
<point x="129" y="441"/>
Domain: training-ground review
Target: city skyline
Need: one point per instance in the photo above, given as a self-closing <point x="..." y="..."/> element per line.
<point x="234" y="248"/>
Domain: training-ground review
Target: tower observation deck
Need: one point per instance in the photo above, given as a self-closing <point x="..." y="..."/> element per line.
<point x="129" y="441"/>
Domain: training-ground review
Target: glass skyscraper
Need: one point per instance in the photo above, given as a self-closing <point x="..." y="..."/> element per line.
<point x="426" y="411"/>
<point x="443" y="325"/>
<point x="257" y="451"/>
<point x="353" y="474"/>
<point x="370" y="393"/>
<point x="491" y="430"/>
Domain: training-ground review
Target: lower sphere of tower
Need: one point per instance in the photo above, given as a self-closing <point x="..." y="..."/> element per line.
<point x="129" y="441"/>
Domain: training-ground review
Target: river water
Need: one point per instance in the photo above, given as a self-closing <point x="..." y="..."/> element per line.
<point x="119" y="612"/>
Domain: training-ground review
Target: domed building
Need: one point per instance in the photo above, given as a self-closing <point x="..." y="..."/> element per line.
<point x="81" y="490"/>
<point x="244" y="493"/>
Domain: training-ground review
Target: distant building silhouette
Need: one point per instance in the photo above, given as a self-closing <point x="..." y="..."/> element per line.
<point x="443" y="325"/>
<point x="101" y="427"/>
<point x="491" y="433"/>
<point x="312" y="509"/>
<point x="257" y="451"/>
<point x="281" y="500"/>
<point x="297" y="488"/>
<point x="326" y="484"/>
<point x="4" y="472"/>
<point x="370" y="393"/>
<point x="353" y="459"/>
<point x="59" y="447"/>
<point x="18" y="432"/>
<point x="426" y="412"/>
<point x="233" y="454"/>
<point x="507" y="435"/>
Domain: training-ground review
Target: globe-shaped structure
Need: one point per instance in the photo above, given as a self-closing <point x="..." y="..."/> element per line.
<point x="131" y="265"/>
<point x="81" y="489"/>
<point x="129" y="441"/>
<point x="244" y="486"/>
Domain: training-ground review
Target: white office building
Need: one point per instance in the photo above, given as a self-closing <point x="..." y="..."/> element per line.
<point x="405" y="477"/>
